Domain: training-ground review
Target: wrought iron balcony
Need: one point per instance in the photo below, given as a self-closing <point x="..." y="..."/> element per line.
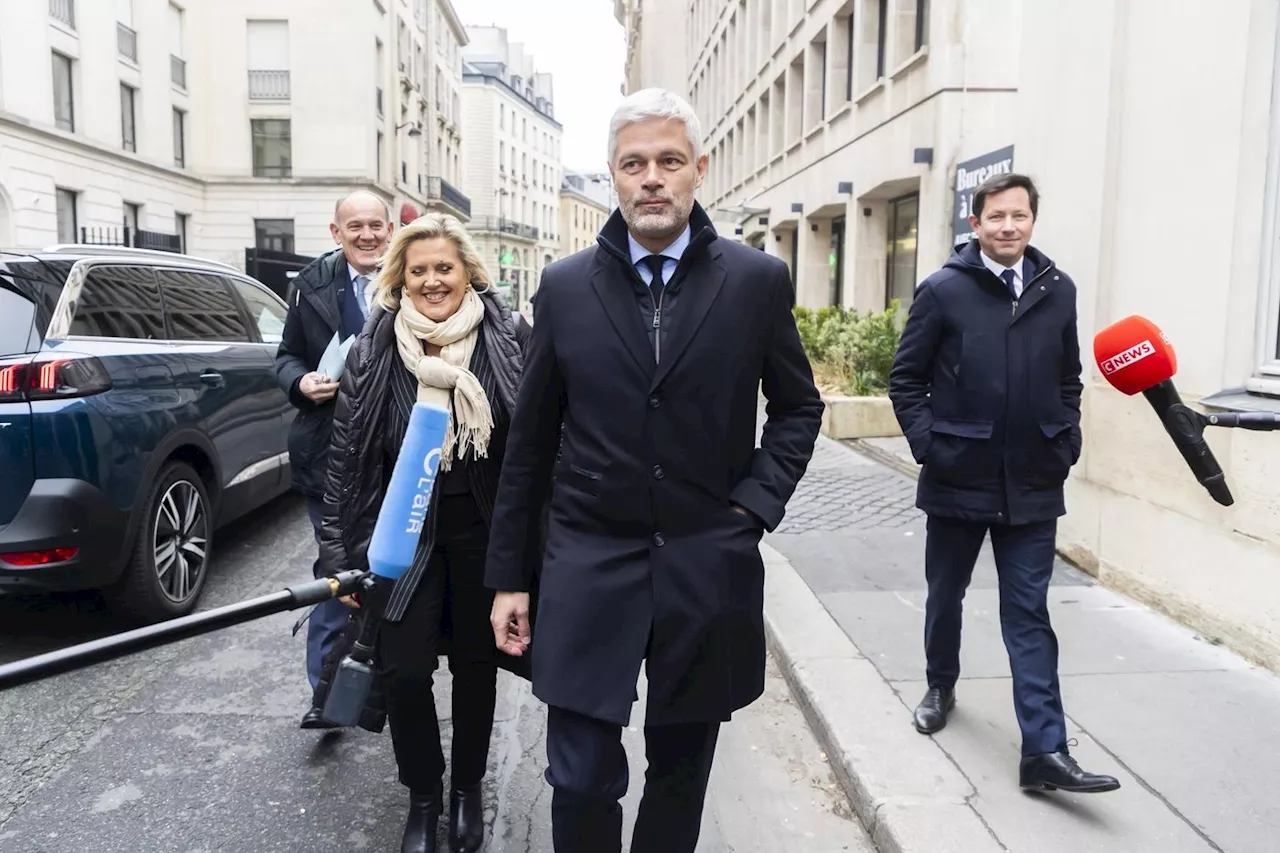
<point x="502" y="225"/>
<point x="64" y="11"/>
<point x="440" y="190"/>
<point x="178" y="71"/>
<point x="268" y="85"/>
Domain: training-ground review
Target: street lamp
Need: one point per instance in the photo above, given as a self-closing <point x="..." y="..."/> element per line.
<point x="415" y="130"/>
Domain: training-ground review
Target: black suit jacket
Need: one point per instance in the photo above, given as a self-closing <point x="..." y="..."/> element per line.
<point x="645" y="556"/>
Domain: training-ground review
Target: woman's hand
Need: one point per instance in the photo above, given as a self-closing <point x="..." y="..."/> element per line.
<point x="510" y="620"/>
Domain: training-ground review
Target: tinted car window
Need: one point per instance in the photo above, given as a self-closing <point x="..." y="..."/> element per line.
<point x="201" y="308"/>
<point x="119" y="302"/>
<point x="264" y="309"/>
<point x="17" y="318"/>
<point x="37" y="279"/>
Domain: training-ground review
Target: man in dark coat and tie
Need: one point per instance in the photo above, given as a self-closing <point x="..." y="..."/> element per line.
<point x="986" y="386"/>
<point x="651" y="349"/>
<point x="330" y="295"/>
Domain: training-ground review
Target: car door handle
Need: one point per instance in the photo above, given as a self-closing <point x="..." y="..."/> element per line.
<point x="212" y="377"/>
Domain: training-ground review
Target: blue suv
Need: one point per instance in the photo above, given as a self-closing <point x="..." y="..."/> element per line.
<point x="139" y="412"/>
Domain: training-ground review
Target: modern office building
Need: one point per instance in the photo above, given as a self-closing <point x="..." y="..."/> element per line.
<point x="512" y="160"/>
<point x="216" y="127"/>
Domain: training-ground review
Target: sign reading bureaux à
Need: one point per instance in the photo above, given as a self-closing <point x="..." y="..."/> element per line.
<point x="969" y="176"/>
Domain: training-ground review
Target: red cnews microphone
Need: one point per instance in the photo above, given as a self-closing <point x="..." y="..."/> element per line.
<point x="1134" y="356"/>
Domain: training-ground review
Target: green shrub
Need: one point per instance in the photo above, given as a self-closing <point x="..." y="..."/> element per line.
<point x="856" y="349"/>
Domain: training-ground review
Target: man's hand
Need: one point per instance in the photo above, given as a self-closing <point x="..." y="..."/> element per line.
<point x="317" y="387"/>
<point x="351" y="601"/>
<point x="510" y="620"/>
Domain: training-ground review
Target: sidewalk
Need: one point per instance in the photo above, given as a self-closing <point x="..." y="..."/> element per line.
<point x="1190" y="729"/>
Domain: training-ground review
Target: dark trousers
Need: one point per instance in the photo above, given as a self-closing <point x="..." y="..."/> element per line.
<point x="329" y="618"/>
<point x="1024" y="560"/>
<point x="451" y="598"/>
<point x="587" y="768"/>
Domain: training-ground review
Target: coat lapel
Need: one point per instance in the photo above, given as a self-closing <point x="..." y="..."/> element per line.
<point x="620" y="305"/>
<point x="1036" y="289"/>
<point x="696" y="298"/>
<point x="324" y="296"/>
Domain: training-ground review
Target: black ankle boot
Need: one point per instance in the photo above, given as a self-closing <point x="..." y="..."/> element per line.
<point x="424" y="816"/>
<point x="466" y="819"/>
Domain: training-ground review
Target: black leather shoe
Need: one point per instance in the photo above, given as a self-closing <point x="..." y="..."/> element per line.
<point x="466" y="820"/>
<point x="931" y="713"/>
<point x="424" y="818"/>
<point x="1058" y="771"/>
<point x="314" y="719"/>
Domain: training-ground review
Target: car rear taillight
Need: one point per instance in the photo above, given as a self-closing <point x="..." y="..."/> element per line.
<point x="27" y="559"/>
<point x="53" y="377"/>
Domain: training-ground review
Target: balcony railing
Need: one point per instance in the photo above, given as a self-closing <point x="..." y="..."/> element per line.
<point x="138" y="238"/>
<point x="268" y="85"/>
<point x="438" y="189"/>
<point x="64" y="11"/>
<point x="503" y="225"/>
<point x="126" y="42"/>
<point x="178" y="71"/>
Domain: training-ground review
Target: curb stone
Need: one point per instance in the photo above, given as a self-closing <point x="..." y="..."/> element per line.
<point x="910" y="796"/>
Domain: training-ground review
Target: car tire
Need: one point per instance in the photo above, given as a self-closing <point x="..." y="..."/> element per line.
<point x="170" y="560"/>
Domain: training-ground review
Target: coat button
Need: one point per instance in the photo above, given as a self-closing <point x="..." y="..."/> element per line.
<point x="658" y="473"/>
<point x="654" y="402"/>
<point x="659" y="540"/>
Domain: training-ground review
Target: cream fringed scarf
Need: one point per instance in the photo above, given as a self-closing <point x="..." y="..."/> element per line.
<point x="447" y="376"/>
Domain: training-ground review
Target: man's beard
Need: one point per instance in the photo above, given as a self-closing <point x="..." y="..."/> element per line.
<point x="657" y="224"/>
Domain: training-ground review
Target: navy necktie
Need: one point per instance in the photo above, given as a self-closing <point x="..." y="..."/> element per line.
<point x="1007" y="275"/>
<point x="655" y="264"/>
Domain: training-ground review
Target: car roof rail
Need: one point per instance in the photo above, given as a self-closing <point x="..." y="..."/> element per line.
<point x="132" y="252"/>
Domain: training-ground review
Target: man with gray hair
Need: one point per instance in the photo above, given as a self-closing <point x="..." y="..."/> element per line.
<point x="331" y="294"/>
<point x="649" y="349"/>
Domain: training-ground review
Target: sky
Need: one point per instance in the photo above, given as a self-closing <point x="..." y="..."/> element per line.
<point x="583" y="47"/>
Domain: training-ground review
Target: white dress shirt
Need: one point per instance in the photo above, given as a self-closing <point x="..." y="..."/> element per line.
<point x="1000" y="269"/>
<point x="364" y="296"/>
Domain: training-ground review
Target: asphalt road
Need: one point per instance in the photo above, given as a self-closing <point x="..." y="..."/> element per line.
<point x="195" y="747"/>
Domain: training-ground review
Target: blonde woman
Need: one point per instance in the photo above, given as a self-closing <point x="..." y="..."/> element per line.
<point x="439" y="333"/>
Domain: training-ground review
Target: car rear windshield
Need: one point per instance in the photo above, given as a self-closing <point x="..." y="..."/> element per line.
<point x="29" y="290"/>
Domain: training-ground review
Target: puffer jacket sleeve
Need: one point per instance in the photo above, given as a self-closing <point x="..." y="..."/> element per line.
<point x="341" y="474"/>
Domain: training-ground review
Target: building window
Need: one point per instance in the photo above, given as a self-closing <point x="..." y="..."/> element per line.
<point x="68" y="226"/>
<point x="179" y="138"/>
<point x="180" y="222"/>
<point x="273" y="235"/>
<point x="835" y="263"/>
<point x="128" y="117"/>
<point x="63" y="94"/>
<point x="377" y="176"/>
<point x="272" y="147"/>
<point x="904" y="216"/>
<point x="268" y="57"/>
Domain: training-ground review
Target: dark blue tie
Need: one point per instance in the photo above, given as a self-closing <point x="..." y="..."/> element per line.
<point x="655" y="264"/>
<point x="1007" y="275"/>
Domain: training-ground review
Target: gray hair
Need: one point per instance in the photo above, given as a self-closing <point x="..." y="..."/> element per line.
<point x="655" y="103"/>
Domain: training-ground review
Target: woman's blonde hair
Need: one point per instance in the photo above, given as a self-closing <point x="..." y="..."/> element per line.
<point x="431" y="225"/>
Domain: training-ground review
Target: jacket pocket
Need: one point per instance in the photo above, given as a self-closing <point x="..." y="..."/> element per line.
<point x="960" y="451"/>
<point x="1053" y="462"/>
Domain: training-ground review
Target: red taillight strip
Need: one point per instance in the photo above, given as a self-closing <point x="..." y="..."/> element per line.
<point x="10" y="378"/>
<point x="48" y="380"/>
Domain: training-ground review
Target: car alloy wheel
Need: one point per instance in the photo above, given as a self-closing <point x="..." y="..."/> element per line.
<point x="181" y="540"/>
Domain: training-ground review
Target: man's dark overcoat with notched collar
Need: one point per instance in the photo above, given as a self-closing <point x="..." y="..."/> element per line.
<point x="645" y="556"/>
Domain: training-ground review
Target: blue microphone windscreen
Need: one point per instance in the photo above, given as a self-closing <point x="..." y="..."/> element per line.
<point x="404" y="507"/>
